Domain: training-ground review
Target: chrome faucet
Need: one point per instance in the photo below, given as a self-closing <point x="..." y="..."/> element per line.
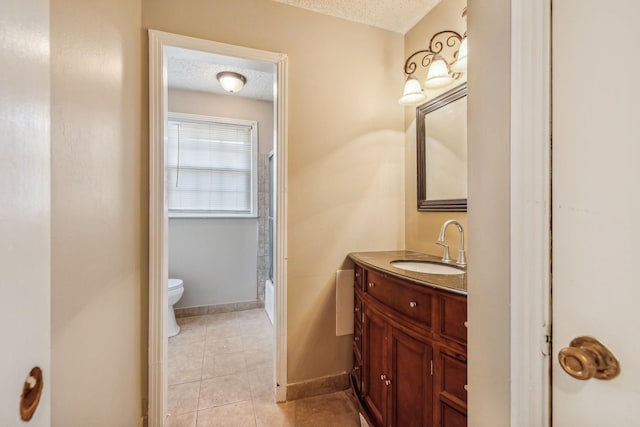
<point x="462" y="259"/>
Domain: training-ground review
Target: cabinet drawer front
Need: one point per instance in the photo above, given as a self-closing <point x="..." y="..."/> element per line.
<point x="357" y="310"/>
<point x="454" y="377"/>
<point x="356" y="372"/>
<point x="450" y="417"/>
<point x="409" y="301"/>
<point x="357" y="324"/>
<point x="358" y="279"/>
<point x="357" y="339"/>
<point x="453" y="315"/>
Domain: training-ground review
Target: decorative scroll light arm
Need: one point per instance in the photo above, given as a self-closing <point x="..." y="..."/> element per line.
<point x="410" y="66"/>
<point x="440" y="40"/>
<point x="440" y="71"/>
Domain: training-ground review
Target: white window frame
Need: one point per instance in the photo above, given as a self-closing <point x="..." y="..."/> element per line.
<point x="253" y="124"/>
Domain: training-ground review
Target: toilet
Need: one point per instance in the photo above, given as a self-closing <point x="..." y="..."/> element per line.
<point x="176" y="289"/>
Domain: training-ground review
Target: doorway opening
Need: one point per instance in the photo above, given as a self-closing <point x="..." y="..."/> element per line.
<point x="166" y="214"/>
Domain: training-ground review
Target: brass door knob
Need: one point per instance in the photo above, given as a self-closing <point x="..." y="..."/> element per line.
<point x="31" y="391"/>
<point x="586" y="358"/>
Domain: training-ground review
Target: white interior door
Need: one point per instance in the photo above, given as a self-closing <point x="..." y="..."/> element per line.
<point x="596" y="204"/>
<point x="24" y="208"/>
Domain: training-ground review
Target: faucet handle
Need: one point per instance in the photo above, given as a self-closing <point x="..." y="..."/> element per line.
<point x="445" y="255"/>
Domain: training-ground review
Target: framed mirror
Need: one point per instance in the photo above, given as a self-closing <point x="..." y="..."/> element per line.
<point x="441" y="125"/>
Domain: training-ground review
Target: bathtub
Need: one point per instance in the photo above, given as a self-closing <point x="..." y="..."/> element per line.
<point x="269" y="299"/>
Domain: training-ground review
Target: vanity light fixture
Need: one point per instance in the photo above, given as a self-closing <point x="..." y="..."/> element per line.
<point x="231" y="81"/>
<point x="441" y="71"/>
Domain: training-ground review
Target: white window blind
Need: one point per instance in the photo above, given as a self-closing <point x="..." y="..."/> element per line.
<point x="210" y="166"/>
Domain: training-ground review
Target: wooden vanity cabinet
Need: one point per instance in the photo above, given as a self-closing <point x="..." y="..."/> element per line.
<point x="356" y="372"/>
<point x="410" y="365"/>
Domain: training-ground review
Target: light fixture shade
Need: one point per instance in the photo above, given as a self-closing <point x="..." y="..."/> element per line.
<point x="438" y="74"/>
<point x="231" y="81"/>
<point x="412" y="93"/>
<point x="460" y="66"/>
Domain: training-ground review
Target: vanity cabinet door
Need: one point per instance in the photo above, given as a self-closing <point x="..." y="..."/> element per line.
<point x="411" y="381"/>
<point x="374" y="389"/>
<point x="398" y="374"/>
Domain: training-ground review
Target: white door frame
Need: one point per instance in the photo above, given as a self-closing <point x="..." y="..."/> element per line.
<point x="530" y="212"/>
<point x="158" y="248"/>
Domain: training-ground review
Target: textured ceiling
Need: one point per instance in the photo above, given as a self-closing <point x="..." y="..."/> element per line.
<point x="195" y="70"/>
<point x="393" y="15"/>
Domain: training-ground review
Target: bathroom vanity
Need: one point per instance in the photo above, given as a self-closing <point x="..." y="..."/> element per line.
<point x="410" y="342"/>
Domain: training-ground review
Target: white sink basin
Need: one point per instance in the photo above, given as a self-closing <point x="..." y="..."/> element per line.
<point x="427" y="267"/>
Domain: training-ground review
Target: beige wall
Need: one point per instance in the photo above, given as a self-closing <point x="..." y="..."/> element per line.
<point x="99" y="211"/>
<point x="234" y="107"/>
<point x="422" y="228"/>
<point x="345" y="154"/>
<point x="489" y="210"/>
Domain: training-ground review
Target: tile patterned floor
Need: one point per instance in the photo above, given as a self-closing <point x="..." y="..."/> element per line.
<point x="220" y="374"/>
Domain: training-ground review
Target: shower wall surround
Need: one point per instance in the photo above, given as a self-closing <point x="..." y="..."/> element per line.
<point x="263" y="223"/>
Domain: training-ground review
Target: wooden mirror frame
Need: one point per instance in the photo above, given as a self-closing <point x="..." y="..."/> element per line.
<point x="443" y="205"/>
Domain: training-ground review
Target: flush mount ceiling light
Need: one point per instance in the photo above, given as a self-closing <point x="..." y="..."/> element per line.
<point x="441" y="71"/>
<point x="231" y="81"/>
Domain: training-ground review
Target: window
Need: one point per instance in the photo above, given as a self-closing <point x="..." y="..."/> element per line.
<point x="211" y="166"/>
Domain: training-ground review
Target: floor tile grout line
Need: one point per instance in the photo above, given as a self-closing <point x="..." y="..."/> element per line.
<point x="198" y="402"/>
<point x="206" y="327"/>
<point x="201" y="370"/>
